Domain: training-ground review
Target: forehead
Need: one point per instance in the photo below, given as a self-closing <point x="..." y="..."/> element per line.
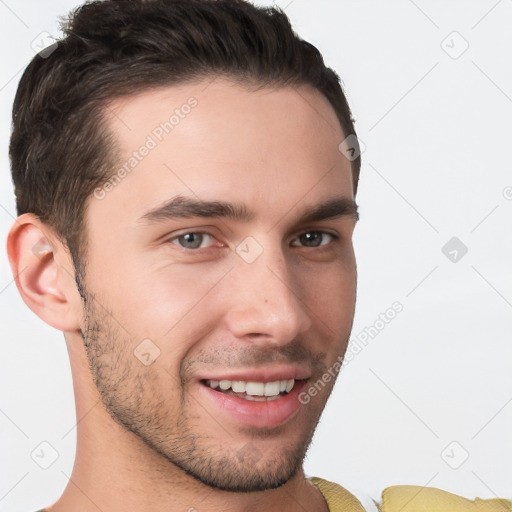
<point x="215" y="139"/>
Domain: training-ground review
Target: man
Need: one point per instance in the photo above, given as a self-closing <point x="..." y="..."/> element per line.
<point x="185" y="176"/>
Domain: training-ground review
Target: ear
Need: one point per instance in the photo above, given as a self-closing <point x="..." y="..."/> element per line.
<point x="44" y="273"/>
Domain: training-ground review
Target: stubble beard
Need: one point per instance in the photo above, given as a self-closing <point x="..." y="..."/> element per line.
<point x="130" y="394"/>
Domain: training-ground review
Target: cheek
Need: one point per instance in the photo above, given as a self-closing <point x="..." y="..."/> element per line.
<point x="171" y="305"/>
<point x="329" y="291"/>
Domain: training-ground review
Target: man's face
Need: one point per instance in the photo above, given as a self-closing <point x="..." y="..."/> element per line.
<point x="220" y="268"/>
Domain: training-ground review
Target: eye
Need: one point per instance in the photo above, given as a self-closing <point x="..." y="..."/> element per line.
<point x="314" y="239"/>
<point x="192" y="240"/>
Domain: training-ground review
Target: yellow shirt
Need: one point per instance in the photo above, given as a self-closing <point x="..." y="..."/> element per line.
<point x="338" y="498"/>
<point x="409" y="498"/>
<point x="413" y="498"/>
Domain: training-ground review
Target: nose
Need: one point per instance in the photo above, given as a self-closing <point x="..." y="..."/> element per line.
<point x="265" y="305"/>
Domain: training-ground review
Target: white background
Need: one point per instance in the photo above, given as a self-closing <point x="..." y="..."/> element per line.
<point x="437" y="165"/>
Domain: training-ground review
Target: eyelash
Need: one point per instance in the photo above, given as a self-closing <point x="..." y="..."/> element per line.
<point x="175" y="238"/>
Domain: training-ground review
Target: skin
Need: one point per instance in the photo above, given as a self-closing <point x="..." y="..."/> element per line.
<point x="148" y="437"/>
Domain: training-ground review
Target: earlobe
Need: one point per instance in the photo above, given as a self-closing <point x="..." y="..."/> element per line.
<point x="44" y="273"/>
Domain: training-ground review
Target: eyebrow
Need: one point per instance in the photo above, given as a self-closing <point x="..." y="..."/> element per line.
<point x="181" y="207"/>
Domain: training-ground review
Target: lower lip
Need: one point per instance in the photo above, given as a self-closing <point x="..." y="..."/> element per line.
<point x="271" y="413"/>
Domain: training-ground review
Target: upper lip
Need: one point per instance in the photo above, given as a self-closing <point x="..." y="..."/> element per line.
<point x="264" y="374"/>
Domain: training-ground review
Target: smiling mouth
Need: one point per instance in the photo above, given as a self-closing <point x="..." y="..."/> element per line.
<point x="252" y="391"/>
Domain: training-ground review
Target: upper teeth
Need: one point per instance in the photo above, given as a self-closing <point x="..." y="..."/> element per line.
<point x="254" y="388"/>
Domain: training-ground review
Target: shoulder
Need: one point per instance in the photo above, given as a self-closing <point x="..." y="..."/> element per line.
<point x="414" y="498"/>
<point x="405" y="498"/>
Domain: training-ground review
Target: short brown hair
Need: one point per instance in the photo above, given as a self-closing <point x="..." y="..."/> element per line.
<point x="60" y="147"/>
